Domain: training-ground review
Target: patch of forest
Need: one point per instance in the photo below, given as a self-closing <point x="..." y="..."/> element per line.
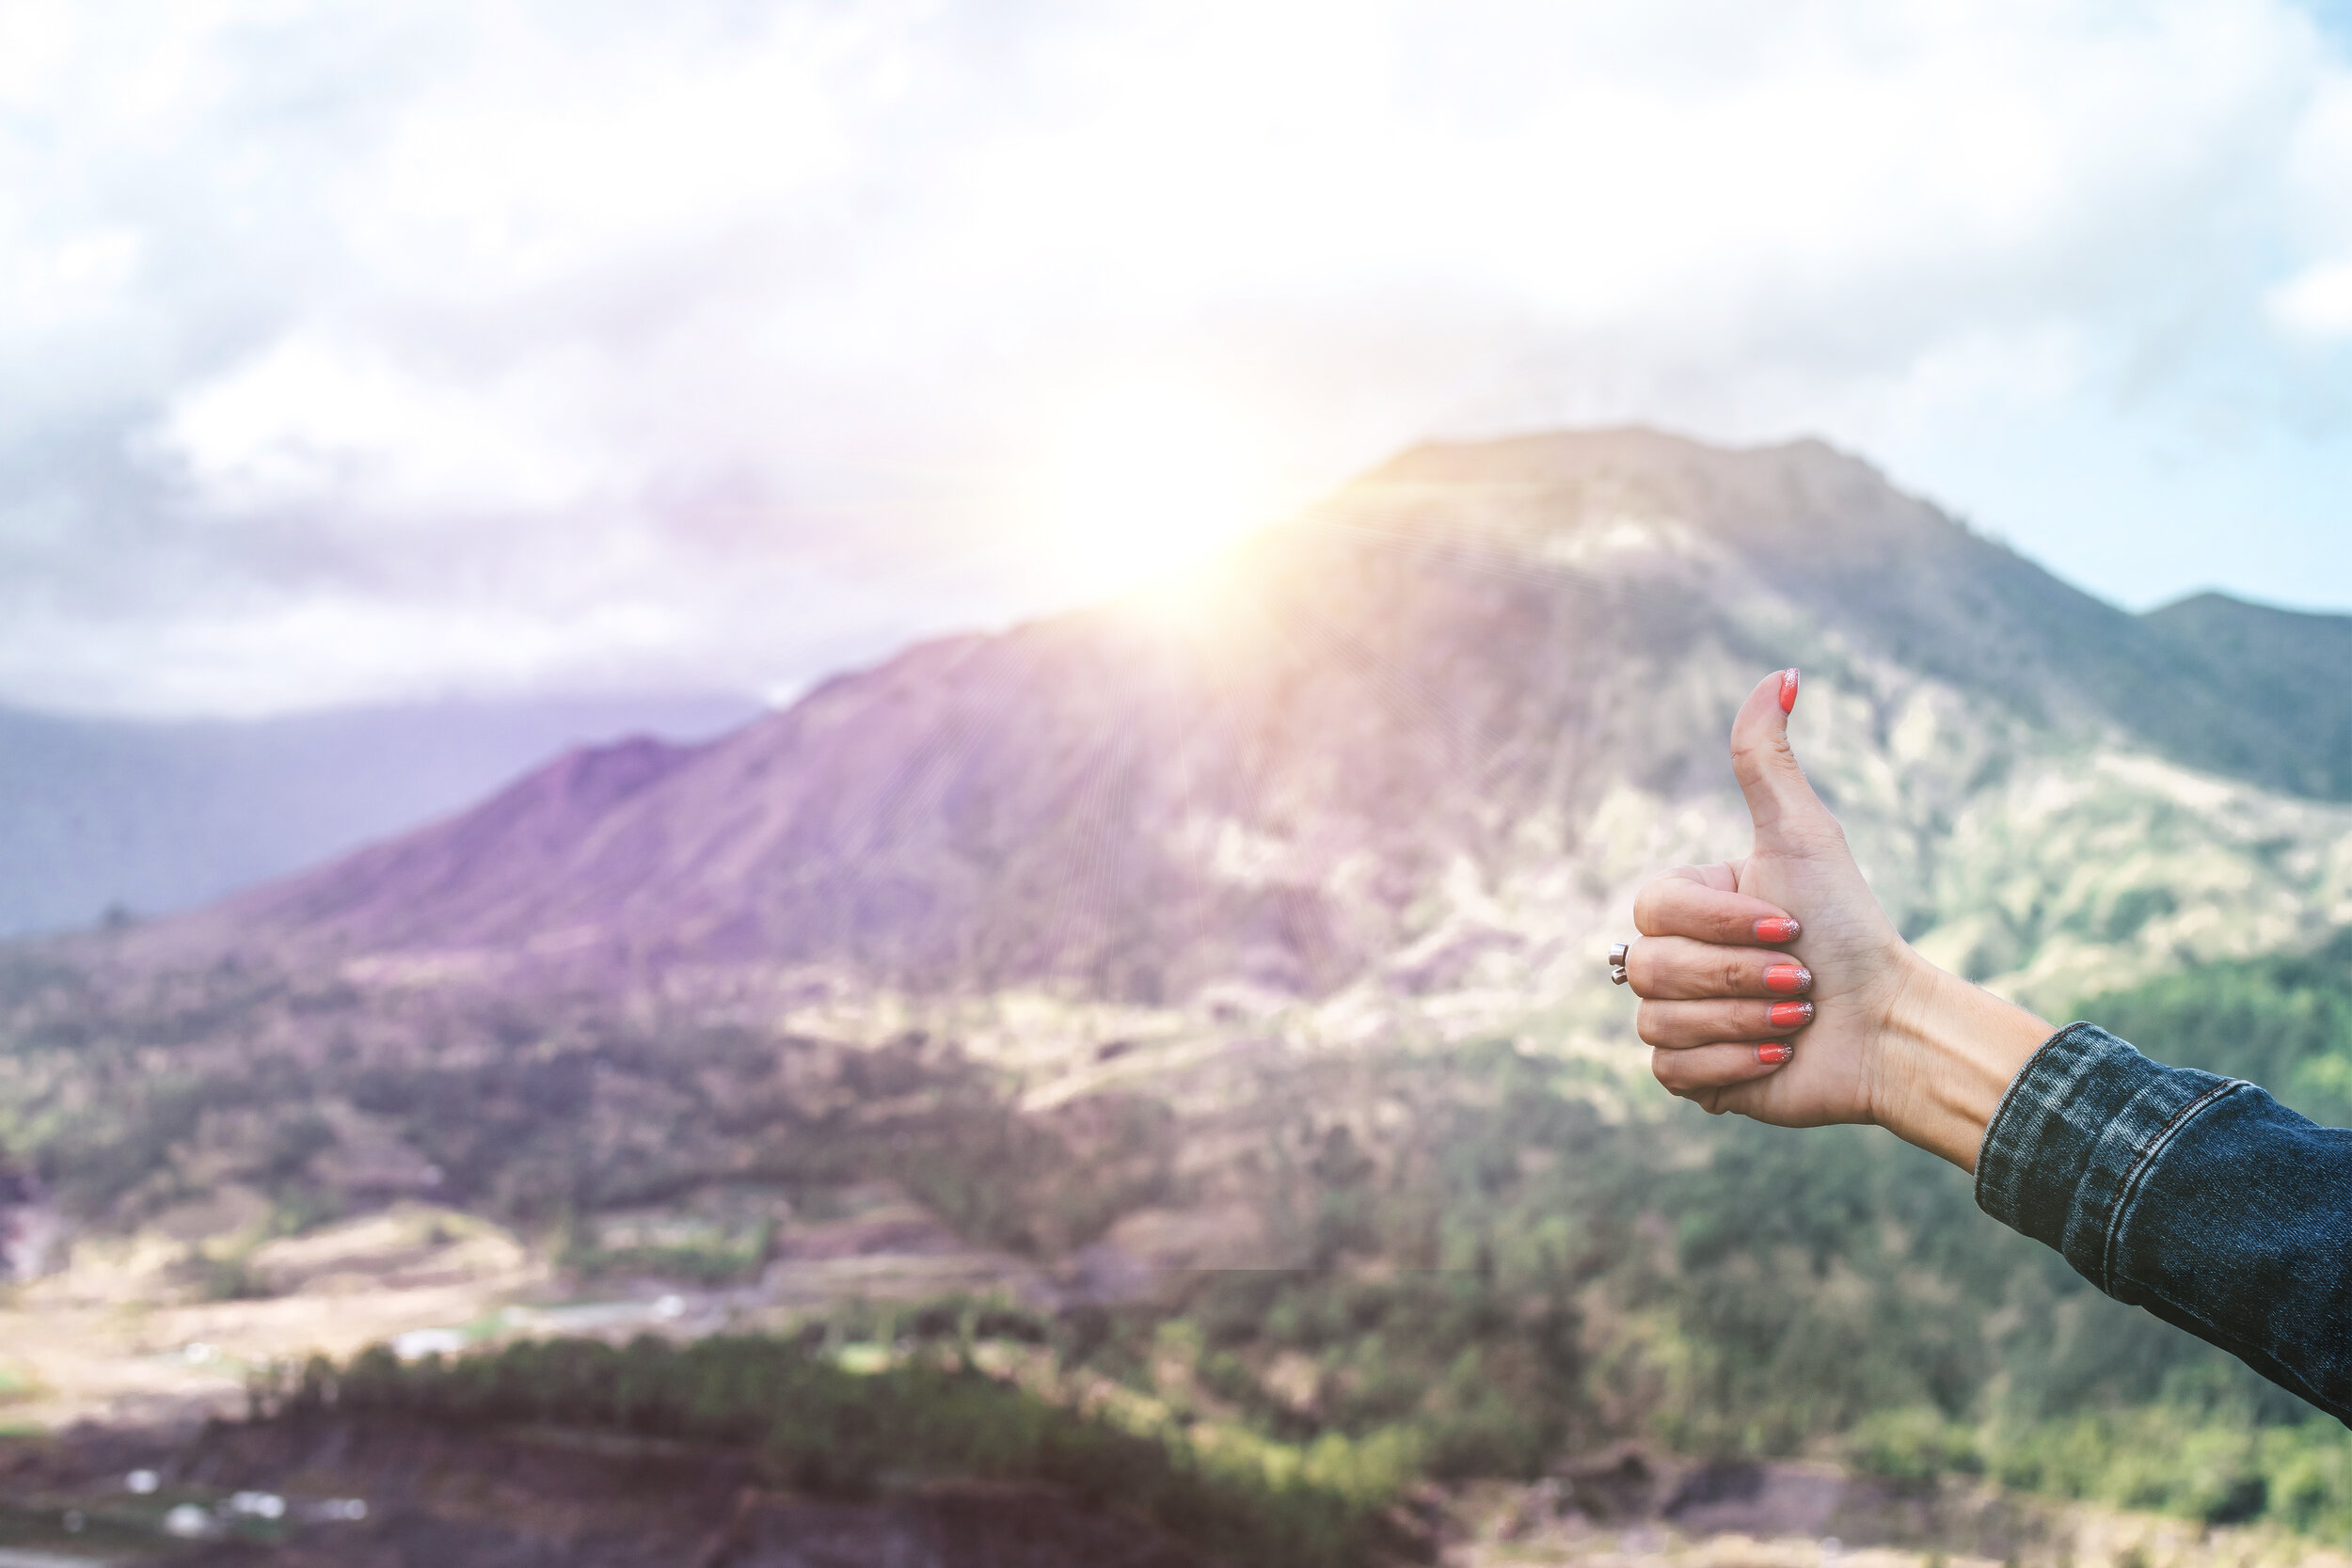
<point x="818" y="1429"/>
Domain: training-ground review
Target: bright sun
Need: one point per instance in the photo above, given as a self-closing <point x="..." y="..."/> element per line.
<point x="1144" y="482"/>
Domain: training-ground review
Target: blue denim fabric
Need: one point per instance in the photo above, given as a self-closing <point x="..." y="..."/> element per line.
<point x="2199" y="1198"/>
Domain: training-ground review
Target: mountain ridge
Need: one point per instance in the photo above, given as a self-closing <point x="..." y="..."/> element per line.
<point x="1457" y="660"/>
<point x="1831" y="530"/>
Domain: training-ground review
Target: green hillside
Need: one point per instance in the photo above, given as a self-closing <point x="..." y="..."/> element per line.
<point x="2288" y="674"/>
<point x="1736" y="1289"/>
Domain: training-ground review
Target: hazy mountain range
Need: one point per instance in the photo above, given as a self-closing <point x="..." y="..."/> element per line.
<point x="146" y="819"/>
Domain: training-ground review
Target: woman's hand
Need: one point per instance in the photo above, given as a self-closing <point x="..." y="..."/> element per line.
<point x="1888" y="1038"/>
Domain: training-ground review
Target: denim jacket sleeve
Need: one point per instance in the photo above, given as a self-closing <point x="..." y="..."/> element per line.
<point x="2199" y="1198"/>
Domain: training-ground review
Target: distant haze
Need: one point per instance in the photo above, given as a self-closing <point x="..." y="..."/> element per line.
<point x="140" y="819"/>
<point x="354" y="354"/>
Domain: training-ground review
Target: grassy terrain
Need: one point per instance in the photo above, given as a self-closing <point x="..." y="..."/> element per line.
<point x="132" y="1102"/>
<point x="1504" y="1258"/>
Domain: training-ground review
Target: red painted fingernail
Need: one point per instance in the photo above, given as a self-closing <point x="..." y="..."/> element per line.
<point x="1788" y="977"/>
<point x="1772" y="1055"/>
<point x="1788" y="690"/>
<point x="1787" y="1015"/>
<point x="1777" y="928"/>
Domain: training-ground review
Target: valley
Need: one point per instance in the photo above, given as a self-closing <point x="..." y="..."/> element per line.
<point x="1190" y="1015"/>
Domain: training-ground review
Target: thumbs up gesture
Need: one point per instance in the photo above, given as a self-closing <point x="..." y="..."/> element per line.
<point x="1774" y="985"/>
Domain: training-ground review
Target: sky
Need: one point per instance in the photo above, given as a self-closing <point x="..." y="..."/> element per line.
<point x="353" y="353"/>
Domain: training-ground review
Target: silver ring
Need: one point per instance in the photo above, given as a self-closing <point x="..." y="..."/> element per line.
<point x="1616" y="962"/>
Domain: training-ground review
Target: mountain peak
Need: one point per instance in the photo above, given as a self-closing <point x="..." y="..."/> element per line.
<point x="1555" y="455"/>
<point x="1804" y="495"/>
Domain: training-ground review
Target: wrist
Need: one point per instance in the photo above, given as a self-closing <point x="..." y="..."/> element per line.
<point x="1948" y="1052"/>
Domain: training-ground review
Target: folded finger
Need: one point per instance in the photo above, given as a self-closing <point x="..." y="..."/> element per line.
<point x="1681" y="1025"/>
<point x="1722" y="874"/>
<point x="1676" y="905"/>
<point x="1677" y="968"/>
<point x="1692" y="1074"/>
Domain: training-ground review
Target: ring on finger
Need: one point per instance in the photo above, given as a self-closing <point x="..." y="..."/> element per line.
<point x="1616" y="962"/>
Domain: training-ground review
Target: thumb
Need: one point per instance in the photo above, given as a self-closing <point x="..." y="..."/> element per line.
<point x="1779" y="799"/>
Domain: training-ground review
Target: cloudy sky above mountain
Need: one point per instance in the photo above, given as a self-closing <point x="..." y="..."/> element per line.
<point x="357" y="352"/>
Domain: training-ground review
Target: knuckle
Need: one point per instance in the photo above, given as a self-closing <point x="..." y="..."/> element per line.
<point x="1753" y="757"/>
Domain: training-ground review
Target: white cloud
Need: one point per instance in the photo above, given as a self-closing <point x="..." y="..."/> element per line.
<point x="2317" y="300"/>
<point x="333" y="427"/>
<point x="517" y="342"/>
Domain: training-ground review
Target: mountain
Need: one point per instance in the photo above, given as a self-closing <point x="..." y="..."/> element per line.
<point x="100" y="815"/>
<point x="1421" y="743"/>
<point x="1216" y="973"/>
<point x="2289" y="672"/>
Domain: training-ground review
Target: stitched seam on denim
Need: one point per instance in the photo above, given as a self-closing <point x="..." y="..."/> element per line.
<point x="2126" y="1191"/>
<point x="1992" y="1128"/>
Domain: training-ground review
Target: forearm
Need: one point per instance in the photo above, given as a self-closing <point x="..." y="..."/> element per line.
<point x="1951" y="1050"/>
<point x="2199" y="1197"/>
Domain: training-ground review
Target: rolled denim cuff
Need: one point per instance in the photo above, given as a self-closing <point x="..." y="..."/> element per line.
<point x="2079" y="1127"/>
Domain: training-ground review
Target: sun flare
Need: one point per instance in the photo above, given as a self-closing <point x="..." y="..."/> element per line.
<point x="1144" y="483"/>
